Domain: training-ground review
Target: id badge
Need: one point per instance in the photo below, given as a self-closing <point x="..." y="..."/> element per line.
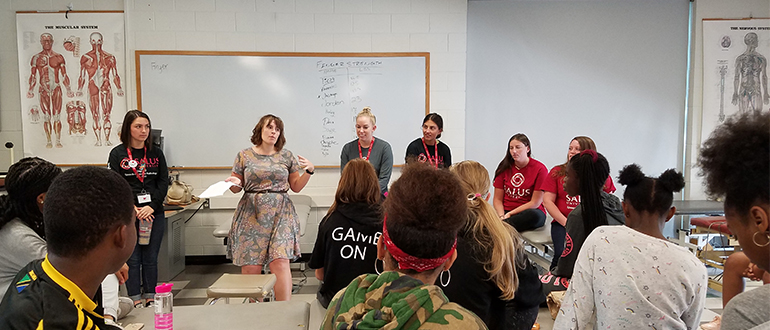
<point x="143" y="198"/>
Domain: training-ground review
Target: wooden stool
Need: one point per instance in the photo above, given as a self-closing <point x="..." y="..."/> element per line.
<point x="255" y="286"/>
<point x="713" y="226"/>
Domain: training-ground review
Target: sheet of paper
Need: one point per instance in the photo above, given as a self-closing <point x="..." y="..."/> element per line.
<point x="217" y="189"/>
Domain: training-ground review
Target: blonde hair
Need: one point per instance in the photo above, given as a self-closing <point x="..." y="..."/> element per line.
<point x="367" y="111"/>
<point x="499" y="243"/>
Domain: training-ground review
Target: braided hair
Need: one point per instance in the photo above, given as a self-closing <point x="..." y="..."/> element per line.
<point x="646" y="194"/>
<point x="26" y="180"/>
<point x="592" y="170"/>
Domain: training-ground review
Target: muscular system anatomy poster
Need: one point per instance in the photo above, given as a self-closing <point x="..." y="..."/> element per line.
<point x="71" y="73"/>
<point x="735" y="54"/>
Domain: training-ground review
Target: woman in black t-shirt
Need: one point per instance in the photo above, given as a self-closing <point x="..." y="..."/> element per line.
<point x="145" y="169"/>
<point x="346" y="246"/>
<point x="428" y="149"/>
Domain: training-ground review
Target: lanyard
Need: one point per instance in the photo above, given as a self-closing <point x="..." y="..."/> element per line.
<point x="427" y="153"/>
<point x="371" y="146"/>
<point x="142" y="165"/>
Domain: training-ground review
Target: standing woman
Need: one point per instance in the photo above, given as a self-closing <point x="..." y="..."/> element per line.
<point x="144" y="167"/>
<point x="518" y="186"/>
<point x="265" y="228"/>
<point x="356" y="211"/>
<point x="378" y="154"/>
<point x="492" y="275"/>
<point x="557" y="202"/>
<point x="429" y="149"/>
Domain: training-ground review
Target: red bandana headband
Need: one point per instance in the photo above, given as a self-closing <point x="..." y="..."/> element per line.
<point x="406" y="261"/>
<point x="594" y="155"/>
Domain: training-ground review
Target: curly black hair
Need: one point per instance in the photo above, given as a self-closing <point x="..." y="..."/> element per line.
<point x="425" y="209"/>
<point x="647" y="194"/>
<point x="27" y="179"/>
<point x="81" y="206"/>
<point x="735" y="161"/>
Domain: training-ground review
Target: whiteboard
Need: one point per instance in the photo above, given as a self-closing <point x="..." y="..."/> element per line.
<point x="207" y="103"/>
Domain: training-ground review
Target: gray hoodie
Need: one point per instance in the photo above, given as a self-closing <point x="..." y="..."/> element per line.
<point x="576" y="232"/>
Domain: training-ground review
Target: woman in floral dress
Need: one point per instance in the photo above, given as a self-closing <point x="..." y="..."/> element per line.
<point x="265" y="229"/>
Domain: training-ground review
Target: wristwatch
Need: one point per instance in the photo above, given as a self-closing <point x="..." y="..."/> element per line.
<point x="308" y="172"/>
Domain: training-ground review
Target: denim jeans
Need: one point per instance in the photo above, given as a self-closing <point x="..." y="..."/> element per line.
<point x="558" y="236"/>
<point x="143" y="263"/>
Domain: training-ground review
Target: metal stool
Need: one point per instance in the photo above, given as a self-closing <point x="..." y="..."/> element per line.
<point x="255" y="286"/>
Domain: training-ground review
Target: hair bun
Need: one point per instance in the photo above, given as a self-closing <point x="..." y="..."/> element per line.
<point x="671" y="180"/>
<point x="366" y="110"/>
<point x="631" y="175"/>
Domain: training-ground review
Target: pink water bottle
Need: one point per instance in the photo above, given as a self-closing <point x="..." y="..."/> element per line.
<point x="164" y="307"/>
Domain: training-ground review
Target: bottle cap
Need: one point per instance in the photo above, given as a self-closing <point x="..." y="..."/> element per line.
<point x="163" y="288"/>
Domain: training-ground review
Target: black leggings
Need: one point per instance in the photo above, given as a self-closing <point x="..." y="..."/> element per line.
<point x="526" y="220"/>
<point x="558" y="236"/>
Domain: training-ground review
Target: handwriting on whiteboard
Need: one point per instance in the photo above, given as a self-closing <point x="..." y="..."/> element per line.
<point x="160" y="67"/>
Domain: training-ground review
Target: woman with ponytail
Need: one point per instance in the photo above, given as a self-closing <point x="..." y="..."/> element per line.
<point x="632" y="276"/>
<point x="586" y="174"/>
<point x="492" y="276"/>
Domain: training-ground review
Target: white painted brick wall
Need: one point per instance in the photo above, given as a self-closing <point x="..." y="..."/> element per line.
<point x="314" y="42"/>
<point x="390" y="42"/>
<point x="196" y="40"/>
<point x="353" y="6"/>
<point x="255" y="22"/>
<point x="428" y="42"/>
<point x="215" y="21"/>
<point x="275" y="6"/>
<point x="315" y="6"/>
<point x="410" y="23"/>
<point x="195" y="5"/>
<point x="352" y="43"/>
<point x="235" y="5"/>
<point x="333" y="23"/>
<point x="371" y="23"/>
<point x="171" y="20"/>
<point x="392" y="6"/>
<point x="294" y="23"/>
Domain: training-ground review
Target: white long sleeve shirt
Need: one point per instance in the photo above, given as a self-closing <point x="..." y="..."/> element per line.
<point x="624" y="279"/>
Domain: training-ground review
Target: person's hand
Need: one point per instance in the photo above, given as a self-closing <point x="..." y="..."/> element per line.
<point x="234" y="180"/>
<point x="145" y="213"/>
<point x="303" y="162"/>
<point x="30" y="94"/>
<point x="122" y="274"/>
<point x="753" y="272"/>
<point x="70" y="94"/>
<point x="79" y="93"/>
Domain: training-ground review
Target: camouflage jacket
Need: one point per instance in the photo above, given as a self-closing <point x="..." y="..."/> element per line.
<point x="395" y="301"/>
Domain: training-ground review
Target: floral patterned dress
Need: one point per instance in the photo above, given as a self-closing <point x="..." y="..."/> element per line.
<point x="265" y="225"/>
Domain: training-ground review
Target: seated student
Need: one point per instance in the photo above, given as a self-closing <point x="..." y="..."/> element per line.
<point x="633" y="277"/>
<point x="22" y="230"/>
<point x="557" y="202"/>
<point x="586" y="174"/>
<point x="519" y="186"/>
<point x="737" y="267"/>
<point x="492" y="275"/>
<point x="735" y="164"/>
<point x="425" y="208"/>
<point x="346" y="245"/>
<point x="90" y="233"/>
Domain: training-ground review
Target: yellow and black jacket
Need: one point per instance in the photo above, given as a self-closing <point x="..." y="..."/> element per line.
<point x="42" y="298"/>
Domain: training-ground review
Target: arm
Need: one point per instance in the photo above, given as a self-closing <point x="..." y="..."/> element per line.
<point x="386" y="168"/>
<point x="66" y="79"/>
<point x="114" y="69"/>
<point x="236" y="175"/>
<point x="297" y="181"/>
<point x="319" y="274"/>
<point x="537" y="199"/>
<point x="344" y="158"/>
<point x="549" y="201"/>
<point x="32" y="79"/>
<point x="161" y="183"/>
<point x="83" y="74"/>
<point x="766" y="99"/>
<point x="113" y="162"/>
<point x="737" y="79"/>
<point x="497" y="202"/>
<point x="578" y="306"/>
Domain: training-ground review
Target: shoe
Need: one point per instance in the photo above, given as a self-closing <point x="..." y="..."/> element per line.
<point x="125" y="305"/>
<point x="138" y="304"/>
<point x="536" y="326"/>
<point x="715" y="324"/>
<point x="110" y="322"/>
<point x="150" y="304"/>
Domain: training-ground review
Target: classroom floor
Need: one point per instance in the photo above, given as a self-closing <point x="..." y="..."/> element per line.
<point x="190" y="289"/>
